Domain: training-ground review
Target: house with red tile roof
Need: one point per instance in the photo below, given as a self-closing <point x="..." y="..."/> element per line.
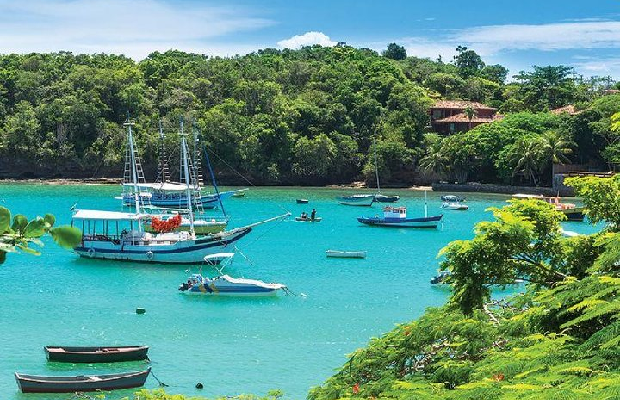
<point x="449" y="116"/>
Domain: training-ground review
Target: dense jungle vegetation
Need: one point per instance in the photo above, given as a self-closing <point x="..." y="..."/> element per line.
<point x="307" y="116"/>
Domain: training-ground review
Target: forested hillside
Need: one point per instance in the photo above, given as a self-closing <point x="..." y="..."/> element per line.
<point x="303" y="116"/>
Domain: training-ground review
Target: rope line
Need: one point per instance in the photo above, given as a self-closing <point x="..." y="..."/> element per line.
<point x="161" y="384"/>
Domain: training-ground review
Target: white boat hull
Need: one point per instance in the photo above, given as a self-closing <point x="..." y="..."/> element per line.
<point x="345" y="254"/>
<point x="190" y="251"/>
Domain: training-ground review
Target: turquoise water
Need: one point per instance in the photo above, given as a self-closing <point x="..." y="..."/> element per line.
<point x="231" y="345"/>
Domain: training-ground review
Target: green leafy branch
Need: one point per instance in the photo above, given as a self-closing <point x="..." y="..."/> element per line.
<point x="17" y="233"/>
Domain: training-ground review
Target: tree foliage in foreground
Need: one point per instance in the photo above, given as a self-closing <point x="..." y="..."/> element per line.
<point x="17" y="233"/>
<point x="559" y="339"/>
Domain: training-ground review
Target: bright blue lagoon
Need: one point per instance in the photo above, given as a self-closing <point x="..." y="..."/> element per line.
<point x="231" y="345"/>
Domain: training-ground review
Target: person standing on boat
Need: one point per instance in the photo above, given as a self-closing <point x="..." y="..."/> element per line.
<point x="313" y="214"/>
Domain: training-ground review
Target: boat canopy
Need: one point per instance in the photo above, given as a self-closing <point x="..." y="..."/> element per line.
<point x="106" y="215"/>
<point x="218" y="256"/>
<point x="527" y="196"/>
<point x="166" y="187"/>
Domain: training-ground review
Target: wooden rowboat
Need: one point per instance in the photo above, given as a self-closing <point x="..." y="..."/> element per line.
<point x="81" y="383"/>
<point x="97" y="354"/>
<point x="345" y="254"/>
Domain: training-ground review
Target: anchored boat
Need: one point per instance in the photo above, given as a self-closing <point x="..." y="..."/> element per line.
<point x="572" y="212"/>
<point x="95" y="354"/>
<point x="80" y="383"/>
<point x="345" y="254"/>
<point x="362" y="200"/>
<point x="225" y="285"/>
<point x="111" y="235"/>
<point x="454" y="206"/>
<point x="397" y="217"/>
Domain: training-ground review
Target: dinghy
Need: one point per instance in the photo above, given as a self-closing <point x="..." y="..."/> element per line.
<point x="95" y="354"/>
<point x="345" y="254"/>
<point x="80" y="383"/>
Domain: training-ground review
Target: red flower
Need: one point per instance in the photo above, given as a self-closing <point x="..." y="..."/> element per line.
<point x="356" y="388"/>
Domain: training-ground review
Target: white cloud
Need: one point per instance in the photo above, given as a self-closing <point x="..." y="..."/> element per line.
<point x="132" y="27"/>
<point x="555" y="36"/>
<point x="603" y="66"/>
<point x="307" y="39"/>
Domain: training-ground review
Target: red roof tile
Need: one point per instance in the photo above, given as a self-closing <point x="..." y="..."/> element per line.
<point x="460" y="104"/>
<point x="463" y="118"/>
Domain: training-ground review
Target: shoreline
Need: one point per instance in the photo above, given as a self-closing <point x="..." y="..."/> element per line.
<point x="117" y="181"/>
<point x="435" y="187"/>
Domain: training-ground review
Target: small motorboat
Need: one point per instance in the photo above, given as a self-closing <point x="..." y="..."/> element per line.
<point x="381" y="198"/>
<point x="95" y="354"/>
<point x="302" y="201"/>
<point x="345" y="254"/>
<point x="453" y="205"/>
<point x="308" y="219"/>
<point x="452" y="198"/>
<point x="240" y="193"/>
<point x="360" y="200"/>
<point x="224" y="285"/>
<point x="397" y="217"/>
<point x="80" y="383"/>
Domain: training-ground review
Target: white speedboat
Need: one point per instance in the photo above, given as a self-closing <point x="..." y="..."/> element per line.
<point x="225" y="285"/>
<point x="453" y="205"/>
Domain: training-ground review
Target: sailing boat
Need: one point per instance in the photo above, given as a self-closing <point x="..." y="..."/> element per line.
<point x="166" y="194"/>
<point x="381" y="198"/>
<point x="110" y="235"/>
<point x="202" y="224"/>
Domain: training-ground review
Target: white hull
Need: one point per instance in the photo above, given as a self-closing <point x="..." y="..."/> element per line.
<point x="345" y="254"/>
<point x="234" y="294"/>
<point x="189" y="251"/>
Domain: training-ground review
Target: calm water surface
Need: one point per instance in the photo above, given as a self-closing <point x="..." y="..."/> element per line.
<point x="231" y="345"/>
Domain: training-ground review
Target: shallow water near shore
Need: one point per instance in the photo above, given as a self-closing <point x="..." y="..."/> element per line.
<point x="231" y="345"/>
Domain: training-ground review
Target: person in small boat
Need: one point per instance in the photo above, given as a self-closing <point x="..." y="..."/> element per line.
<point x="313" y="214"/>
<point x="304" y="215"/>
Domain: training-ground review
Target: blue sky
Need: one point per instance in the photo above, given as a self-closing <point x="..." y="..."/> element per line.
<point x="518" y="34"/>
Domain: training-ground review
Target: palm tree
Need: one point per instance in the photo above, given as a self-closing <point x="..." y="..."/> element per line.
<point x="470" y="112"/>
<point x="435" y="161"/>
<point x="556" y="148"/>
<point x="530" y="158"/>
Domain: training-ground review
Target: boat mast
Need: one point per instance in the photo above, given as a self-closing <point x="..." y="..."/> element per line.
<point x="163" y="173"/>
<point x="134" y="173"/>
<point x="374" y="145"/>
<point x="187" y="182"/>
<point x="425" y="206"/>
